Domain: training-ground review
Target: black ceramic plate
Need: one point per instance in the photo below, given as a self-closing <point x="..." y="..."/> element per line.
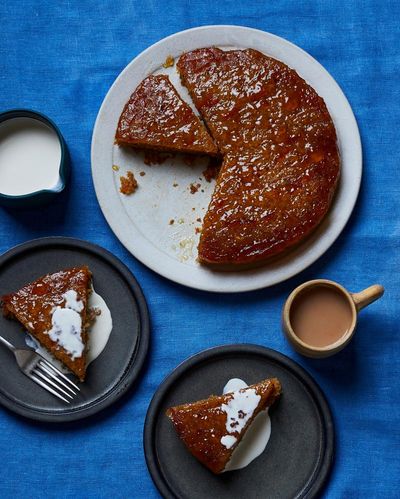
<point x="298" y="457"/>
<point x="117" y="367"/>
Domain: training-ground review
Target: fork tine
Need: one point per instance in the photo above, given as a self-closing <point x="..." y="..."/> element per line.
<point x="41" y="375"/>
<point x="46" y="387"/>
<point x="60" y="373"/>
<point x="52" y="375"/>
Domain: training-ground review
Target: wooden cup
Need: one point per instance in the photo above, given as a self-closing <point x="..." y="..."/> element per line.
<point x="356" y="301"/>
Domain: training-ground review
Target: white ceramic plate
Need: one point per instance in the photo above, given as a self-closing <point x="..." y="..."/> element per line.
<point x="142" y="221"/>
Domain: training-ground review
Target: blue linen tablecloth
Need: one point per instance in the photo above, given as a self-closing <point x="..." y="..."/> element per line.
<point x="60" y="58"/>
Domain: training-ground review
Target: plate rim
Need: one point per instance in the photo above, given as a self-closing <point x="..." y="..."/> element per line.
<point x="180" y="277"/>
<point x="131" y="374"/>
<point x="312" y="488"/>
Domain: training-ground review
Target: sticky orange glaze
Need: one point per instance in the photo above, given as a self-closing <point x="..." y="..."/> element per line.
<point x="281" y="162"/>
<point x="156" y="117"/>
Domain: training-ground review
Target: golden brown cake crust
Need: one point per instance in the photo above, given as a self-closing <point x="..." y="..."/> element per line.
<point x="33" y="304"/>
<point x="155" y="117"/>
<point x="202" y="424"/>
<point x="281" y="163"/>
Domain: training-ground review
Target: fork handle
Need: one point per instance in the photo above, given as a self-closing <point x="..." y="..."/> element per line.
<point x="7" y="344"/>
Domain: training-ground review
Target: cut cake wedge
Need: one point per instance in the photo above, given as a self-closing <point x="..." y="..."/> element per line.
<point x="156" y="118"/>
<point x="212" y="428"/>
<point x="54" y="310"/>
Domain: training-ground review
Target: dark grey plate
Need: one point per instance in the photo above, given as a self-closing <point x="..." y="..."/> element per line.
<point x="298" y="457"/>
<point x="117" y="367"/>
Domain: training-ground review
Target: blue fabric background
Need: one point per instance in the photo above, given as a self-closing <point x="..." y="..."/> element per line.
<point x="60" y="58"/>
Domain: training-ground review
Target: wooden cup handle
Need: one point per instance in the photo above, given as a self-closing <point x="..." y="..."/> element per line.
<point x="367" y="296"/>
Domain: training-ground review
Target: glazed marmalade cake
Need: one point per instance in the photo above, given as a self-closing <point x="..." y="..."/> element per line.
<point x="155" y="117"/>
<point x="281" y="162"/>
<point x="54" y="310"/>
<point x="212" y="428"/>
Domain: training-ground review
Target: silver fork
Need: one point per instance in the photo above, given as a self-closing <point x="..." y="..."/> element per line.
<point x="43" y="373"/>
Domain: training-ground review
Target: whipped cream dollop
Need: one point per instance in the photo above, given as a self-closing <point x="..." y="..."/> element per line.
<point x="72" y="302"/>
<point x="100" y="330"/>
<point x="228" y="441"/>
<point x="240" y="408"/>
<point x="257" y="435"/>
<point x="66" y="323"/>
<point x="99" y="334"/>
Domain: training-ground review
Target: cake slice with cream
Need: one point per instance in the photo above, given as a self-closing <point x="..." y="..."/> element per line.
<point x="54" y="310"/>
<point x="212" y="428"/>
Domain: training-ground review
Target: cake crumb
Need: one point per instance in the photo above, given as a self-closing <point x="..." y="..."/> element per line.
<point x="115" y="168"/>
<point x="172" y="221"/>
<point x="189" y="159"/>
<point x="198" y="219"/>
<point x="142" y="174"/>
<point x="169" y="62"/>
<point x="155" y="158"/>
<point x="194" y="188"/>
<point x="193" y="209"/>
<point x="186" y="249"/>
<point x="128" y="184"/>
<point x="211" y="172"/>
<point x="175" y="184"/>
<point x="197" y="230"/>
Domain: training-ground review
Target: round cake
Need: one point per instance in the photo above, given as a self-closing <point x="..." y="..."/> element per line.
<point x="274" y="134"/>
<point x="280" y="159"/>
